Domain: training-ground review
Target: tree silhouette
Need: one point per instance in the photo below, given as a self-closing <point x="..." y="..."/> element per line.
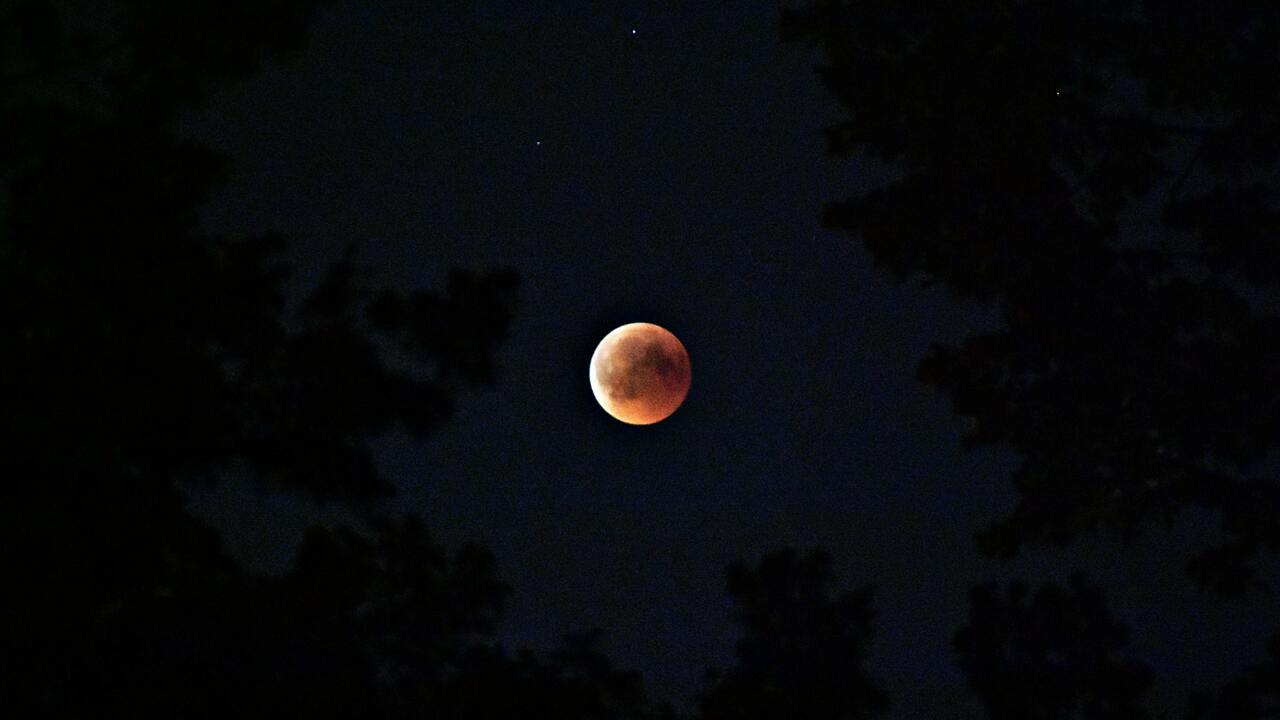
<point x="1105" y="173"/>
<point x="574" y="682"/>
<point x="1053" y="655"/>
<point x="1254" y="696"/>
<point x="802" y="649"/>
<point x="139" y="354"/>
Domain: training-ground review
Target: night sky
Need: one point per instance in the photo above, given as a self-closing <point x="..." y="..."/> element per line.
<point x="667" y="167"/>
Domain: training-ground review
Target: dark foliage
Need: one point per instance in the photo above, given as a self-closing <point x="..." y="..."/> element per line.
<point x="1254" y="696"/>
<point x="1052" y="656"/>
<point x="802" y="649"/>
<point x="575" y="682"/>
<point x="139" y="354"/>
<point x="1105" y="173"/>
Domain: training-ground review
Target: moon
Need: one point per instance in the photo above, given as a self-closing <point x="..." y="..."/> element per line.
<point x="640" y="373"/>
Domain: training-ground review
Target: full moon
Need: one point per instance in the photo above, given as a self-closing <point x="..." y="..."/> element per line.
<point x="640" y="373"/>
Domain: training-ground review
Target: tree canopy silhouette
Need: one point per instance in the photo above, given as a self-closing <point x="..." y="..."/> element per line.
<point x="139" y="354"/>
<point x="1056" y="654"/>
<point x="1105" y="173"/>
<point x="1253" y="696"/>
<point x="802" y="649"/>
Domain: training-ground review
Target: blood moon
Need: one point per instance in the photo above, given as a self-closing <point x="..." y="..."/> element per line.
<point x="640" y="373"/>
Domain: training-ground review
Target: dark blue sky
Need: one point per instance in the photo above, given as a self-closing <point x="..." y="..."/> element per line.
<point x="675" y="175"/>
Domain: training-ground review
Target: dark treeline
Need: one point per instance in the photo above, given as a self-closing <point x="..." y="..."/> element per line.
<point x="138" y="355"/>
<point x="1105" y="174"/>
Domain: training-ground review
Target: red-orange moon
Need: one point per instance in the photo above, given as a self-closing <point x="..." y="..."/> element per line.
<point x="640" y="373"/>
